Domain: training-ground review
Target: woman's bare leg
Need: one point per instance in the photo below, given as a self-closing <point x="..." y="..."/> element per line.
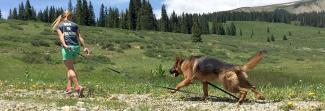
<point x="71" y="73"/>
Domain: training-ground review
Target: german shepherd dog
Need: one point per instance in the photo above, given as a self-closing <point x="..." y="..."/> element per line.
<point x="207" y="69"/>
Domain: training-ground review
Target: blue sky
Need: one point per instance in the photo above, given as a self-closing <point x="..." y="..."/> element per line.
<point x="5" y="5"/>
<point x="179" y="6"/>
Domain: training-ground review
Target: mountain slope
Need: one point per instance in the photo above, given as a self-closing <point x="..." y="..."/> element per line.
<point x="297" y="7"/>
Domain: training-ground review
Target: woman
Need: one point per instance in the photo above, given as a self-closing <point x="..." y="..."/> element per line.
<point x="70" y="39"/>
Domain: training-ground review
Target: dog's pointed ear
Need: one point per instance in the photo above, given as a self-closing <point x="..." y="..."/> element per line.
<point x="178" y="58"/>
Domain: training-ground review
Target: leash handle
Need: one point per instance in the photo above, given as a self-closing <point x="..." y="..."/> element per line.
<point x="223" y="90"/>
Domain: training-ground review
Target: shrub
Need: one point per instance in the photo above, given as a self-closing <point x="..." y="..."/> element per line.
<point x="272" y="38"/>
<point x="16" y="27"/>
<point x="46" y="31"/>
<point x="158" y="71"/>
<point x="38" y="42"/>
<point x="36" y="58"/>
<point x="125" y="46"/>
<point x="36" y="26"/>
<point x="285" y="37"/>
<point x="159" y="53"/>
<point x="101" y="59"/>
<point x="108" y="46"/>
<point x="206" y="50"/>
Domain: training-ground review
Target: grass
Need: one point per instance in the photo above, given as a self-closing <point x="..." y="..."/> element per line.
<point x="292" y="69"/>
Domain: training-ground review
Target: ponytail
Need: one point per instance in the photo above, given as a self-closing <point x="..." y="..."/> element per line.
<point x="57" y="22"/>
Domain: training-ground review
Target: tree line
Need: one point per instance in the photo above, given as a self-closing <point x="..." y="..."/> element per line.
<point x="139" y="16"/>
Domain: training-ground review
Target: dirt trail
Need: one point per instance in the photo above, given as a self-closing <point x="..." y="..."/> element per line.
<point x="18" y="100"/>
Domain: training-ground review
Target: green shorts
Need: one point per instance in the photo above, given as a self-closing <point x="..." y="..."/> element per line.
<point x="70" y="54"/>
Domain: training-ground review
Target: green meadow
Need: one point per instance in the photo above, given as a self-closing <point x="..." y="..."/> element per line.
<point x="292" y="69"/>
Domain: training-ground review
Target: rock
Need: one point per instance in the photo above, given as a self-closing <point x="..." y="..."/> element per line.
<point x="80" y="104"/>
<point x="65" y="108"/>
<point x="82" y="109"/>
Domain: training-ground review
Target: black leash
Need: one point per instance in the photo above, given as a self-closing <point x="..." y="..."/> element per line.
<point x="223" y="90"/>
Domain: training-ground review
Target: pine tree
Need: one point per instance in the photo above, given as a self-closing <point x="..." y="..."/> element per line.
<point x="15" y="14"/>
<point x="102" y="17"/>
<point x="268" y="39"/>
<point x="28" y="11"/>
<point x="220" y="29"/>
<point x="117" y="18"/>
<point x="21" y="12"/>
<point x="92" y="17"/>
<point x="46" y="15"/>
<point x="268" y="29"/>
<point x="79" y="12"/>
<point x="124" y="20"/>
<point x="290" y="34"/>
<point x="196" y="31"/>
<point x="164" y="20"/>
<point x="33" y="17"/>
<point x="240" y="32"/>
<point x="147" y="21"/>
<point x="134" y="11"/>
<point x="40" y="16"/>
<point x="214" y="28"/>
<point x="85" y="13"/>
<point x="232" y="29"/>
<point x="52" y="14"/>
<point x="204" y="24"/>
<point x="113" y="18"/>
<point x="272" y="38"/>
<point x="175" y="25"/>
<point x="10" y="14"/>
<point x="70" y="7"/>
<point x="252" y="33"/>
<point x="285" y="37"/>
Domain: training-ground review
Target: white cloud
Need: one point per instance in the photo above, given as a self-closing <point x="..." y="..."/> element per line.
<point x="206" y="6"/>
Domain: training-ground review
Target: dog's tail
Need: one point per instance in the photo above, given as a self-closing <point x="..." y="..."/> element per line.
<point x="253" y="61"/>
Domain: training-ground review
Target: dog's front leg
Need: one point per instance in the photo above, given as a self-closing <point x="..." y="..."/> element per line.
<point x="185" y="82"/>
<point x="205" y="90"/>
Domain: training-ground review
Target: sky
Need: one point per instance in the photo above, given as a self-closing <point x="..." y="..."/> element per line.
<point x="179" y="6"/>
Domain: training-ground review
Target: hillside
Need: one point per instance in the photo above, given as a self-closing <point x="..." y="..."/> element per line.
<point x="31" y="65"/>
<point x="303" y="6"/>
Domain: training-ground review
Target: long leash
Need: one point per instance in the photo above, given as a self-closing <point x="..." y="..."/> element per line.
<point x="173" y="88"/>
<point x="223" y="90"/>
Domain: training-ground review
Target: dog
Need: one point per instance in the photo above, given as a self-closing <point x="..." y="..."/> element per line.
<point x="208" y="69"/>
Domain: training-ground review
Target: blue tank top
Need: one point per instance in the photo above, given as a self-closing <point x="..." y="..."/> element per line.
<point x="69" y="30"/>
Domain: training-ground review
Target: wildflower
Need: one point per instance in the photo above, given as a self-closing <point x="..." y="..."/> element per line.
<point x="290" y="104"/>
<point x="311" y="94"/>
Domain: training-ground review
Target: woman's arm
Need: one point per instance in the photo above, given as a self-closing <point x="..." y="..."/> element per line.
<point x="61" y="38"/>
<point x="82" y="42"/>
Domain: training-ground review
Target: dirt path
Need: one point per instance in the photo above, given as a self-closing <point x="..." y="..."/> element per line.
<point x="25" y="100"/>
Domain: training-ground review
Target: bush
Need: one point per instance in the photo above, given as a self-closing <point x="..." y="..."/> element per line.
<point x="36" y="58"/>
<point x="103" y="59"/>
<point x="38" y="43"/>
<point x="16" y="27"/>
<point x="125" y="46"/>
<point x="36" y="26"/>
<point x="158" y="71"/>
<point x="159" y="53"/>
<point x="108" y="46"/>
<point x="47" y="31"/>
<point x="206" y="50"/>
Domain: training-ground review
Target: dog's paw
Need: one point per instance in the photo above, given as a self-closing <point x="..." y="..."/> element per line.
<point x="204" y="98"/>
<point x="260" y="97"/>
<point x="173" y="91"/>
